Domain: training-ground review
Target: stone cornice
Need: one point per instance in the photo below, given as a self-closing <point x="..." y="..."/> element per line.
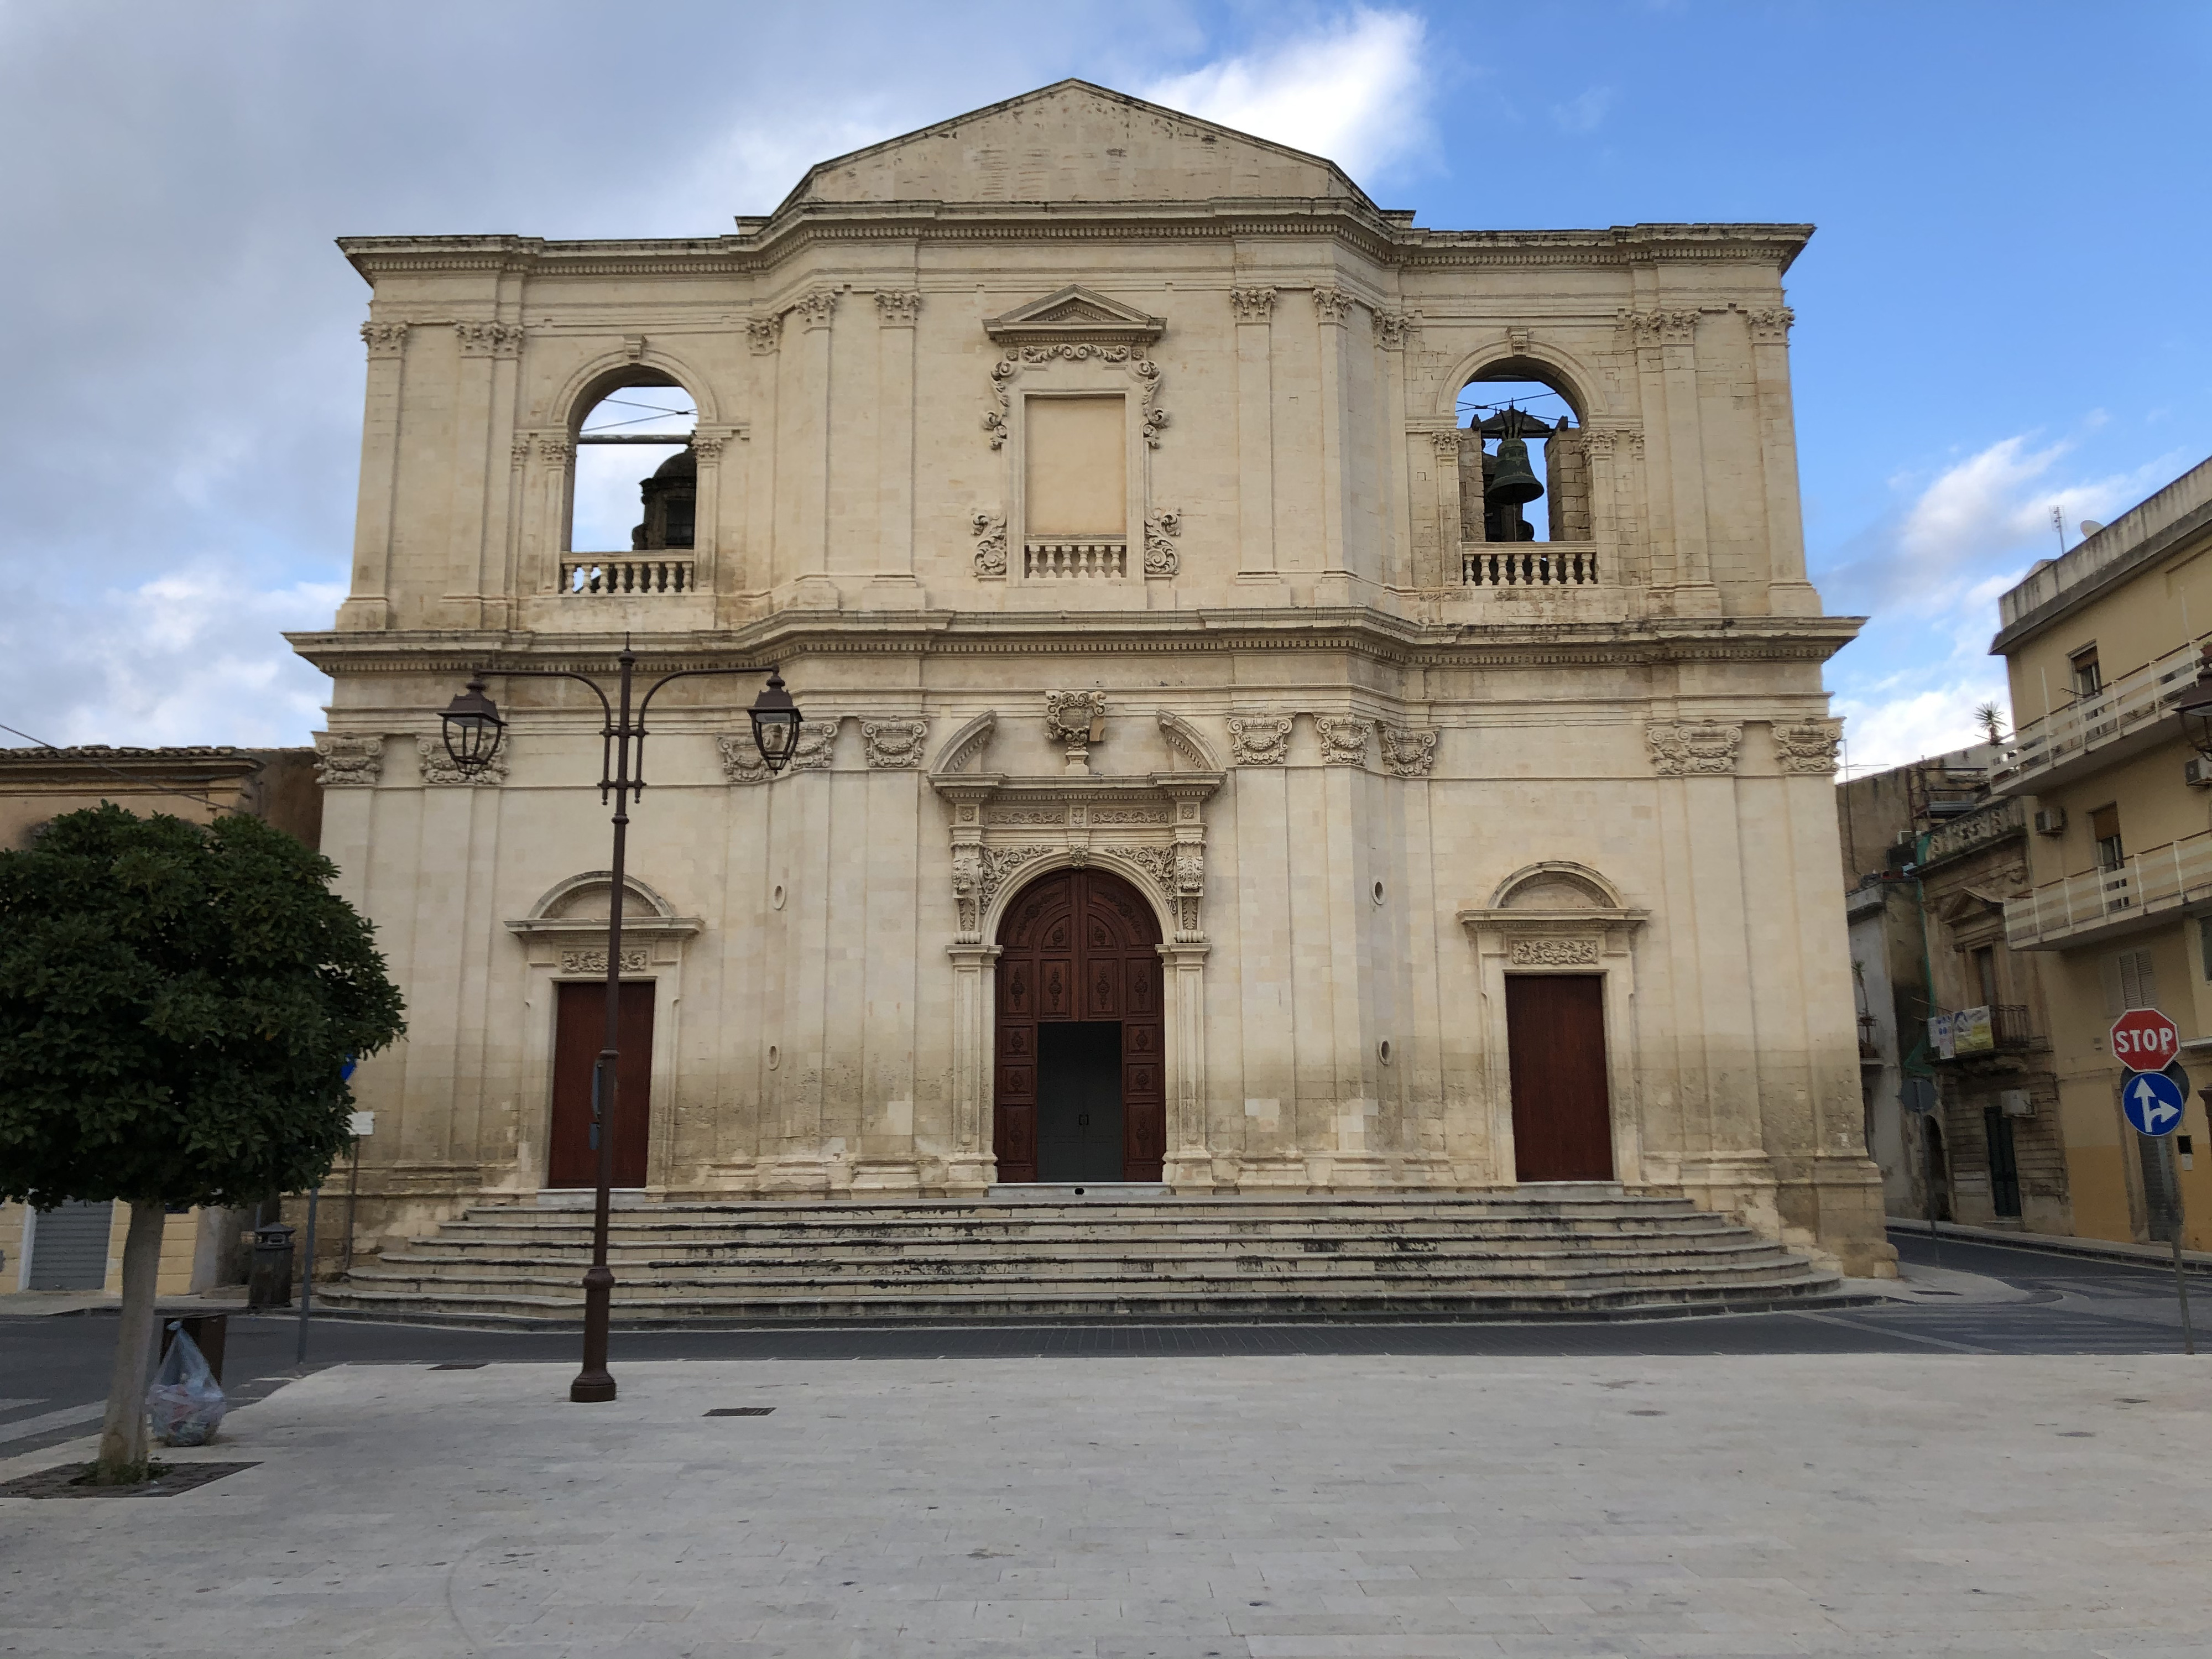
<point x="792" y="635"/>
<point x="1378" y="237"/>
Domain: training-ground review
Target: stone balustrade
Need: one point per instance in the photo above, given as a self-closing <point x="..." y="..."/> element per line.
<point x="1075" y="560"/>
<point x="591" y="574"/>
<point x="1529" y="564"/>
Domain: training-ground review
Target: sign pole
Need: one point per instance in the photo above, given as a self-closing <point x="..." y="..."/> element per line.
<point x="2180" y="1273"/>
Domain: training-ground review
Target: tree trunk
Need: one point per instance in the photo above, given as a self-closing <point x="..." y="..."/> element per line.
<point x="123" y="1440"/>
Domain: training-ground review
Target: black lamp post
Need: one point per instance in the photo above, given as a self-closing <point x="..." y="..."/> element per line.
<point x="473" y="731"/>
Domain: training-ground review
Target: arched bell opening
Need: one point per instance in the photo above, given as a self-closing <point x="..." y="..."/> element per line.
<point x="1523" y="474"/>
<point x="637" y="476"/>
<point x="1078" y="1087"/>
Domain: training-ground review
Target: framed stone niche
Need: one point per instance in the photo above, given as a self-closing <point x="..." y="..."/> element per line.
<point x="1075" y="414"/>
<point x="563" y="938"/>
<point x="1557" y="917"/>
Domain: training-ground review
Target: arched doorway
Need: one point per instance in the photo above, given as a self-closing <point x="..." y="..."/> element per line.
<point x="1079" y="1094"/>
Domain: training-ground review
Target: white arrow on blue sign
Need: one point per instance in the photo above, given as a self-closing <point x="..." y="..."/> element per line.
<point x="2152" y="1102"/>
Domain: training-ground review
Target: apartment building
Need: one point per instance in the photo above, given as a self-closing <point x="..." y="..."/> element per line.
<point x="2101" y="646"/>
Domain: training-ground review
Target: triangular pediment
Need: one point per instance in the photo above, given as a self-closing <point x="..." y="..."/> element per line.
<point x="1073" y="314"/>
<point x="1074" y="141"/>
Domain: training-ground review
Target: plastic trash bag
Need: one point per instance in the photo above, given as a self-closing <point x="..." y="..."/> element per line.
<point x="185" y="1402"/>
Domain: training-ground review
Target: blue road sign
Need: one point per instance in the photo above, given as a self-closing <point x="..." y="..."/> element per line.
<point x="2152" y="1102"/>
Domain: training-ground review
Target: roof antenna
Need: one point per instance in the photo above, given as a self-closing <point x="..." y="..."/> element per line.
<point x="2058" y="524"/>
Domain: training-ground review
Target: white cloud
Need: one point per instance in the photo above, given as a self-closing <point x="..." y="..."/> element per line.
<point x="197" y="656"/>
<point x="1909" y="686"/>
<point x="1880" y="733"/>
<point x="1355" y="90"/>
<point x="1585" y="112"/>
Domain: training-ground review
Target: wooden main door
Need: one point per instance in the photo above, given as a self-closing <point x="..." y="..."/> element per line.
<point x="579" y="1031"/>
<point x="1555" y="1046"/>
<point x="1078" y="947"/>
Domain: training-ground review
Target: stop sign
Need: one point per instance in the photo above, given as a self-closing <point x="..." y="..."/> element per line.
<point x="2144" y="1040"/>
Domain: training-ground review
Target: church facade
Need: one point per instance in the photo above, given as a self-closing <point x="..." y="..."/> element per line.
<point x="1208" y="777"/>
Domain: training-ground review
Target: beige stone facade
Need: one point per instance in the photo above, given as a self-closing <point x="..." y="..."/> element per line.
<point x="1094" y="474"/>
<point x="2099" y="647"/>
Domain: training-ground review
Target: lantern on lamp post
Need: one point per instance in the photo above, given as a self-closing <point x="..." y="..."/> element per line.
<point x="473" y="729"/>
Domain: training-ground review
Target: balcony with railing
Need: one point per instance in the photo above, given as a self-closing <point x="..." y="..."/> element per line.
<point x="2118" y="720"/>
<point x="1529" y="564"/>
<point x="1994" y="1028"/>
<point x="627" y="574"/>
<point x="2097" y="904"/>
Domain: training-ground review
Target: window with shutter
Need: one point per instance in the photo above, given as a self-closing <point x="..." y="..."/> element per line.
<point x="2138" y="989"/>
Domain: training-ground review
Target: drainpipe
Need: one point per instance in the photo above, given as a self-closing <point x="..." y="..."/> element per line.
<point x="1928" y="1130"/>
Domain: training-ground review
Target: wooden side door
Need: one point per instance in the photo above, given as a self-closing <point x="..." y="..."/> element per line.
<point x="1555" y="1046"/>
<point x="579" y="1030"/>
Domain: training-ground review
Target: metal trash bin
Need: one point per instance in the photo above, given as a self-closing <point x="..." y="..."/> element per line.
<point x="207" y="1333"/>
<point x="269" y="1281"/>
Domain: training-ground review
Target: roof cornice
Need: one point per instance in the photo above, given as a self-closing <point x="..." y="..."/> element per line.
<point x="793" y="636"/>
<point x="810" y="224"/>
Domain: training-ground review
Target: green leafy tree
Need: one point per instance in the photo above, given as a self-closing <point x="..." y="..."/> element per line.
<point x="177" y="1004"/>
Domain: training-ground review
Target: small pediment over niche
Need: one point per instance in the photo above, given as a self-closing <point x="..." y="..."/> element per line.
<point x="1075" y="316"/>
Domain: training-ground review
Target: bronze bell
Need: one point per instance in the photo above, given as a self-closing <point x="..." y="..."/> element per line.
<point x="1512" y="482"/>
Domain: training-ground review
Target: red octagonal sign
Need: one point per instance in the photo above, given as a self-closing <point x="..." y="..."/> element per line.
<point x="2144" y="1040"/>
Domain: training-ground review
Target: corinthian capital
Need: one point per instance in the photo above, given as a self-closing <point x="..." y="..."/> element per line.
<point x="1252" y="305"/>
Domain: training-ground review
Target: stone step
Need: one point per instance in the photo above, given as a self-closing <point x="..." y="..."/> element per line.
<point x="1422" y="1255"/>
<point x="1314" y="1255"/>
<point x="430" y="1275"/>
<point x="1119" y="1304"/>
<point x="1361" y="1212"/>
<point x="690" y="1242"/>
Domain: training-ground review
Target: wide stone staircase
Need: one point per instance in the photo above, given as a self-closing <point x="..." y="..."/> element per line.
<point x="1536" y="1251"/>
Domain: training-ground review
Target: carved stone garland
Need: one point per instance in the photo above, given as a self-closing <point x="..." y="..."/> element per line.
<point x="893" y="745"/>
<point x="1150" y="417"/>
<point x="438" y="768"/>
<point x="1343" y="741"/>
<point x="1807" y="745"/>
<point x="346" y="762"/>
<point x="742" y="763"/>
<point x="1687" y="750"/>
<point x="1260" y="739"/>
<point x="1408" y="753"/>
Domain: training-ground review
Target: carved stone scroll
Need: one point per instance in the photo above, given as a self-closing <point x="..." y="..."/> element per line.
<point x="595" y="961"/>
<point x="990" y="531"/>
<point x="438" y="767"/>
<point x="1160" y="556"/>
<point x="1688" y="750"/>
<point x="1554" y="953"/>
<point x="1260" y="739"/>
<point x="1408" y="753"/>
<point x="893" y="745"/>
<point x="1807" y="745"/>
<point x="1343" y="740"/>
<point x="345" y="761"/>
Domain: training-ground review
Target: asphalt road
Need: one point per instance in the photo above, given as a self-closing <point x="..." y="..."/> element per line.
<point x="54" y="1369"/>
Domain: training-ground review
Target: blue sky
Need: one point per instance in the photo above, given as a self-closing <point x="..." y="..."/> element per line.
<point x="2004" y="309"/>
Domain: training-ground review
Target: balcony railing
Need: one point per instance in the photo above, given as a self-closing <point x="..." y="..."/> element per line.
<point x="597" y="574"/>
<point x="2142" y="884"/>
<point x="1993" y="1027"/>
<point x="1529" y="564"/>
<point x="2123" y="706"/>
<point x="1991" y="822"/>
<point x="1092" y="561"/>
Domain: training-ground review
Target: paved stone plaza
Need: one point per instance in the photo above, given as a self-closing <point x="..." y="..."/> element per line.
<point x="1859" y="1504"/>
